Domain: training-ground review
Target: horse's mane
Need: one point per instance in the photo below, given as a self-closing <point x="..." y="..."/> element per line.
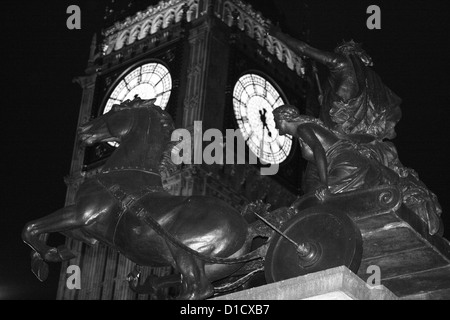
<point x="166" y="166"/>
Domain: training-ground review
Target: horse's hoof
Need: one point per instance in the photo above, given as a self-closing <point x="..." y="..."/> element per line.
<point x="62" y="253"/>
<point x="65" y="253"/>
<point x="148" y="287"/>
<point x="133" y="281"/>
<point x="134" y="274"/>
<point x="52" y="255"/>
<point x="39" y="267"/>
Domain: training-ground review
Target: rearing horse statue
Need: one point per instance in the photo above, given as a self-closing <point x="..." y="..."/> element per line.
<point x="105" y="207"/>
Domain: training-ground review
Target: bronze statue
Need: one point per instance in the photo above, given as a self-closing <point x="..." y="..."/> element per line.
<point x="354" y="99"/>
<point x="357" y="104"/>
<point x="206" y="241"/>
<point x="126" y="207"/>
<point x="344" y="163"/>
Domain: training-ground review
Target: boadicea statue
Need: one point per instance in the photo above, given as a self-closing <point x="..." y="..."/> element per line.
<point x="204" y="239"/>
<point x="348" y="145"/>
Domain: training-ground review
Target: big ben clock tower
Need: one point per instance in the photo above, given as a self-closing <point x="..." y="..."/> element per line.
<point x="202" y="60"/>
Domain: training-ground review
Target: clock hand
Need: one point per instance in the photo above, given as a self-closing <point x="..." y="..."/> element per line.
<point x="268" y="130"/>
<point x="261" y="146"/>
<point x="264" y="121"/>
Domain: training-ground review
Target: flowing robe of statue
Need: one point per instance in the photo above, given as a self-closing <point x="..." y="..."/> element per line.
<point x="373" y="109"/>
<point x="356" y="103"/>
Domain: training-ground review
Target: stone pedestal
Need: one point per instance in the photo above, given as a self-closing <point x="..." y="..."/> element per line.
<point x="332" y="284"/>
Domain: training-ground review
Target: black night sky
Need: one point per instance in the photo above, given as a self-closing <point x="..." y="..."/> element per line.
<point x="41" y="57"/>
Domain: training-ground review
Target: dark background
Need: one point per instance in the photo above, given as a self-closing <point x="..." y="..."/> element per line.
<point x="40" y="57"/>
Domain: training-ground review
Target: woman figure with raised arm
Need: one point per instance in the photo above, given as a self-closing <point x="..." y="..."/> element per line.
<point x="359" y="107"/>
<point x="355" y="100"/>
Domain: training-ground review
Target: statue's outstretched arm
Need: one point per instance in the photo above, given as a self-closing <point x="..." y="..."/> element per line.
<point x="329" y="59"/>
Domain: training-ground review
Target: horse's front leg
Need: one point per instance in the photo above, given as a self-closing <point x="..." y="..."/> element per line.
<point x="31" y="236"/>
<point x="59" y="221"/>
<point x="65" y="219"/>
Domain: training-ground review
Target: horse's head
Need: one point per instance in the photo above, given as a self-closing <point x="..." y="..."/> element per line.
<point x="113" y="125"/>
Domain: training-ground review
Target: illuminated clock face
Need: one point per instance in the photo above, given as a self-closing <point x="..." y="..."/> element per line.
<point x="254" y="99"/>
<point x="148" y="81"/>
